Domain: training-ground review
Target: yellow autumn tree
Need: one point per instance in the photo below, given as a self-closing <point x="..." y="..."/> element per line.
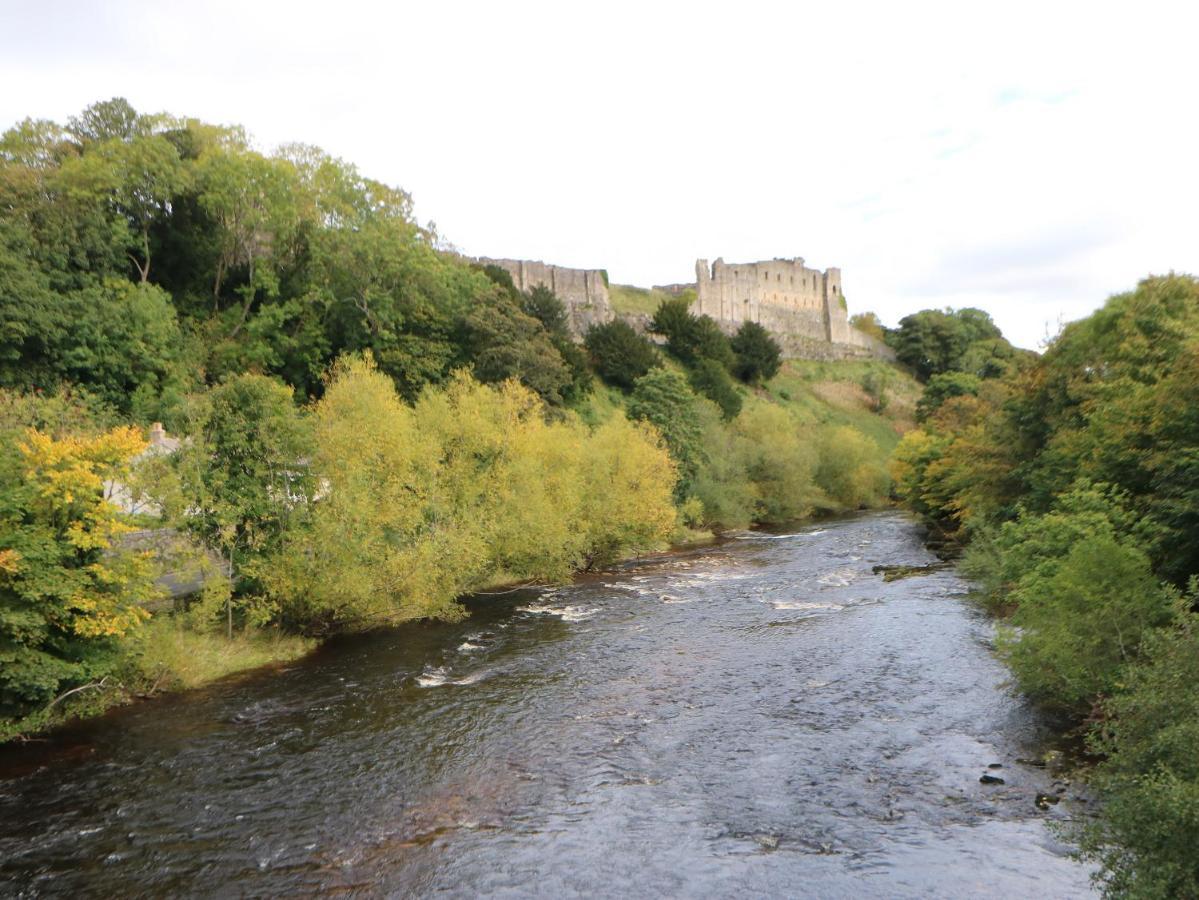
<point x="472" y="486"/>
<point x="68" y="588"/>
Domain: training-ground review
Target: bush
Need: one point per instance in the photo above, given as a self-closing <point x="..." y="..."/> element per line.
<point x="663" y="399"/>
<point x="712" y="380"/>
<point x="1148" y="780"/>
<point x="1079" y="628"/>
<point x="619" y="353"/>
<point x="758" y="354"/>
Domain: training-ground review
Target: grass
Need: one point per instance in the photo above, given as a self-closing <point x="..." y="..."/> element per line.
<point x="835" y="393"/>
<point x="169" y="655"/>
<point x="163" y="655"/>
<point x="629" y="299"/>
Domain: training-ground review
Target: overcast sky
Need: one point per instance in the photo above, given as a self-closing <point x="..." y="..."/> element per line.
<point x="1028" y="159"/>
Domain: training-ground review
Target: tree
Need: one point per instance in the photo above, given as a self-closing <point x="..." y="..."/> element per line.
<point x="506" y="343"/>
<point x="619" y="353"/>
<point x="712" y="380"/>
<point x="253" y="201"/>
<point x="68" y="588"/>
<point x="662" y="398"/>
<point x="147" y="174"/>
<point x="758" y="354"/>
<point x="108" y="120"/>
<point x="941" y="387"/>
<point x="933" y="341"/>
<point x="245" y="470"/>
<point x="544" y="305"/>
<point x="689" y="337"/>
<point x="869" y="323"/>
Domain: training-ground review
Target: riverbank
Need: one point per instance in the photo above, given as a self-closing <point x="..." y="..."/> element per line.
<point x="167" y="657"/>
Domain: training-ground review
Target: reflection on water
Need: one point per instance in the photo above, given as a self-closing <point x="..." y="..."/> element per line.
<point x="766" y="717"/>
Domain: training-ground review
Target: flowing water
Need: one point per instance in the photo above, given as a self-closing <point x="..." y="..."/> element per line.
<point x="761" y="718"/>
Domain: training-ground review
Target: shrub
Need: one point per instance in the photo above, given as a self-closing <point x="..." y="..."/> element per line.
<point x="1148" y="779"/>
<point x="619" y="353"/>
<point x="712" y="380"/>
<point x="1080" y="627"/>
<point x="758" y="354"/>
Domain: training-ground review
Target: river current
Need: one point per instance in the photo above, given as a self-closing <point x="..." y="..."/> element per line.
<point x="765" y="717"/>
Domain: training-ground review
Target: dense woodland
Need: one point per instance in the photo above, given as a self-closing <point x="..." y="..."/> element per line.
<point x="1073" y="478"/>
<point x="370" y="425"/>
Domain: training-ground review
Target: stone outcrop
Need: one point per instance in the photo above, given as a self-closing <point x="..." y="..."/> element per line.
<point x="583" y="291"/>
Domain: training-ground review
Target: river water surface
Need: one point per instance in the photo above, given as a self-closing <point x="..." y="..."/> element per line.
<point x="761" y="718"/>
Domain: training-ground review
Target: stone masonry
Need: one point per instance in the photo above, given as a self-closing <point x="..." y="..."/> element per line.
<point x="804" y="308"/>
<point x="787" y="298"/>
<point x="583" y="291"/>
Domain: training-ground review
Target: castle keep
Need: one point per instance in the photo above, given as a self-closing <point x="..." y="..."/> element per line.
<point x="782" y="295"/>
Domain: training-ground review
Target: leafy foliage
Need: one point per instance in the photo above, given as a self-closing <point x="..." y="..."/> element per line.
<point x="471" y="486"/>
<point x="68" y="588"/>
<point x="758" y="355"/>
<point x="620" y="354"/>
<point x="1074" y="475"/>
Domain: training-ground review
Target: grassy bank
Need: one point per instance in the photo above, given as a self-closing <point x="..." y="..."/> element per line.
<point x="163" y="656"/>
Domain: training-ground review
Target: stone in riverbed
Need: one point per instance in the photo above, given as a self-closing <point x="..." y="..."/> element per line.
<point x="991" y="779"/>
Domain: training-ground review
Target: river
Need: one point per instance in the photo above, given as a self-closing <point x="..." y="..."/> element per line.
<point x="764" y="717"/>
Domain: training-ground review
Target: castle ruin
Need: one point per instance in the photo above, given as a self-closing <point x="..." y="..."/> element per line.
<point x="803" y="308"/>
<point x="584" y="292"/>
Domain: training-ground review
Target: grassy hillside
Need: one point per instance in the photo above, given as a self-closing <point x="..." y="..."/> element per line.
<point x="628" y="299"/>
<point x="872" y="396"/>
<point x="847" y="392"/>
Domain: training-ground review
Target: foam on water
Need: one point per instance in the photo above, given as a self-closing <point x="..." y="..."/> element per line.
<point x="796" y="604"/>
<point x="566" y="612"/>
<point x="440" y="675"/>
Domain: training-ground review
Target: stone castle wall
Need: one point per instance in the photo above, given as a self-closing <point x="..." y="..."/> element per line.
<point x="583" y="291"/>
<point x="785" y="297"/>
<point x="803" y="307"/>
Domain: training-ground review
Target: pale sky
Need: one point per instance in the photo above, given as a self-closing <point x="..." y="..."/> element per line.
<point x="1026" y="158"/>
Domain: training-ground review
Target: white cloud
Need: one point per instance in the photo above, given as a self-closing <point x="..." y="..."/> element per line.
<point x="1028" y="158"/>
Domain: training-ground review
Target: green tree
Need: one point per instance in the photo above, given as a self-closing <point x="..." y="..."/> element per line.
<point x="620" y="354"/>
<point x="710" y="379"/>
<point x="506" y="343"/>
<point x="1148" y="774"/>
<point x="933" y="341"/>
<point x="246" y="471"/>
<point x="941" y="387"/>
<point x="662" y="398"/>
<point x="758" y="354"/>
<point x="691" y="338"/>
